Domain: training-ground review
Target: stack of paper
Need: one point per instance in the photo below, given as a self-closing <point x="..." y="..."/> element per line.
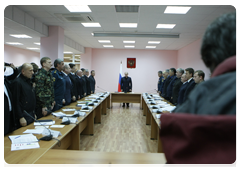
<point x="66" y="110"/>
<point x="34" y="131"/>
<point x="59" y="114"/>
<point x="44" y="123"/>
<point x="20" y="142"/>
<point x="71" y="119"/>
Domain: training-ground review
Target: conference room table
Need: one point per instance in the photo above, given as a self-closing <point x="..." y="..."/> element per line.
<point x="152" y="120"/>
<point x="50" y="152"/>
<point x="129" y="97"/>
<point x="70" y="138"/>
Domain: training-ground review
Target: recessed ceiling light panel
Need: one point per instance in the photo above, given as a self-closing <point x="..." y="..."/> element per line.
<point x="20" y="36"/>
<point x="14" y="43"/>
<point x="150" y="46"/>
<point x="104" y="41"/>
<point x="153" y="42"/>
<point x="166" y="26"/>
<point x="128" y="41"/>
<point x="96" y="24"/>
<point x="128" y="25"/>
<point x="78" y="8"/>
<point x="176" y="10"/>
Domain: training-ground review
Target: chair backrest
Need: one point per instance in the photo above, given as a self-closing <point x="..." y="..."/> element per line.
<point x="198" y="139"/>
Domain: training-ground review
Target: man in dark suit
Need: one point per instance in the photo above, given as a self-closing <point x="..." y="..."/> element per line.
<point x="79" y="84"/>
<point x="172" y="74"/>
<point x="24" y="98"/>
<point x="88" y="82"/>
<point x="190" y="83"/>
<point x="68" y="85"/>
<point x="84" y="82"/>
<point x="72" y="76"/>
<point x="9" y="118"/>
<point x="166" y="83"/>
<point x="182" y="89"/>
<point x="92" y="81"/>
<point x="198" y="77"/>
<point x="176" y="86"/>
<point x="126" y="85"/>
<point x="160" y="81"/>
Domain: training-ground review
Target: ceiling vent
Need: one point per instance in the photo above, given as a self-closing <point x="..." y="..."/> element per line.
<point x="126" y="8"/>
<point x="75" y="17"/>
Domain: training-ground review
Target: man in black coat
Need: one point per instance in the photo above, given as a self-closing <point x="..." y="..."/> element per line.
<point x="176" y="86"/>
<point x="84" y="82"/>
<point x="79" y="84"/>
<point x="166" y="83"/>
<point x="182" y="89"/>
<point x="190" y="83"/>
<point x="92" y="81"/>
<point x="88" y="82"/>
<point x="126" y="85"/>
<point x="72" y="76"/>
<point x="24" y="99"/>
<point x="9" y="117"/>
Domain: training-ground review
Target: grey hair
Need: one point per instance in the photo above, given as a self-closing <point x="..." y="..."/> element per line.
<point x="66" y="66"/>
<point x="57" y="61"/>
<point x="160" y="72"/>
<point x="78" y="71"/>
<point x="180" y="70"/>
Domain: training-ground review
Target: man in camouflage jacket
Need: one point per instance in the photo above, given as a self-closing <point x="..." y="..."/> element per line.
<point x="44" y="89"/>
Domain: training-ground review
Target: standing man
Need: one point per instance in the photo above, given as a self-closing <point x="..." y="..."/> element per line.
<point x="44" y="88"/>
<point x="126" y="85"/>
<point x="176" y="86"/>
<point x="173" y="77"/>
<point x="9" y="117"/>
<point x="72" y="76"/>
<point x="88" y="82"/>
<point x="165" y="74"/>
<point x="79" y="84"/>
<point x="92" y="81"/>
<point x="182" y="89"/>
<point x="198" y="77"/>
<point x="68" y="85"/>
<point x="160" y="81"/>
<point x="58" y="84"/>
<point x="24" y="96"/>
<point x="84" y="82"/>
<point x="166" y="83"/>
<point x="191" y="83"/>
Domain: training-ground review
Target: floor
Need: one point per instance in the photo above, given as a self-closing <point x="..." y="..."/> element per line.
<point x="121" y="130"/>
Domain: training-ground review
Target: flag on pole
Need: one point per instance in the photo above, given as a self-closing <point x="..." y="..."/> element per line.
<point x="120" y="77"/>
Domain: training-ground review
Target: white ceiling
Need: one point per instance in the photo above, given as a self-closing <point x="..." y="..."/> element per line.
<point x="190" y="26"/>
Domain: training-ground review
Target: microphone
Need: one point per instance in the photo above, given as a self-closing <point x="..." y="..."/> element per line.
<point x="45" y="138"/>
<point x="66" y="122"/>
<point x="101" y="88"/>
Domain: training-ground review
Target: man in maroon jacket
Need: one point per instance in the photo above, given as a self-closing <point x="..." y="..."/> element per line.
<point x="206" y="133"/>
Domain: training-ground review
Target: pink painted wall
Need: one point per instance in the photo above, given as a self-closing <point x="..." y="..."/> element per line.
<point x="106" y="63"/>
<point x="189" y="56"/>
<point x="18" y="56"/>
<point x="86" y="59"/>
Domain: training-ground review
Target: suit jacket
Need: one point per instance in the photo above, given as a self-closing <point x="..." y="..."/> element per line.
<point x="181" y="93"/>
<point x="189" y="88"/>
<point x="126" y="84"/>
<point x="84" y="84"/>
<point x="170" y="87"/>
<point x="160" y="83"/>
<point x="166" y="83"/>
<point x="9" y="117"/>
<point x="92" y="83"/>
<point x="68" y="89"/>
<point x="80" y="83"/>
<point x="74" y="91"/>
<point x="88" y="85"/>
<point x="176" y="88"/>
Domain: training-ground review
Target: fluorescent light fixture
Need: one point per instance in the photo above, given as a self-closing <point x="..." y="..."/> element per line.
<point x="37" y="43"/>
<point x="166" y="26"/>
<point x="14" y="43"/>
<point x="153" y="42"/>
<point x="32" y="48"/>
<point x="104" y="41"/>
<point x="78" y="8"/>
<point x="20" y="36"/>
<point x="128" y="25"/>
<point x="77" y="55"/>
<point x="67" y="52"/>
<point x="128" y="41"/>
<point x="107" y="45"/>
<point x="129" y="46"/>
<point x="95" y="24"/>
<point x="150" y="46"/>
<point x="67" y="57"/>
<point x="176" y="10"/>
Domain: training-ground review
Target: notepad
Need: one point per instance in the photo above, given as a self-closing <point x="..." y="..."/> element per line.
<point x="22" y="146"/>
<point x="34" y="131"/>
<point x="44" y="123"/>
<point x="66" y="110"/>
<point x="28" y="138"/>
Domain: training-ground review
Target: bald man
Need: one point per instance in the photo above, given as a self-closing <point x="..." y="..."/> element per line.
<point x="24" y="96"/>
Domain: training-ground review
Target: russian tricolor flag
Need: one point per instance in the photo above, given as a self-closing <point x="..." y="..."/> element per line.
<point x="120" y="77"/>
